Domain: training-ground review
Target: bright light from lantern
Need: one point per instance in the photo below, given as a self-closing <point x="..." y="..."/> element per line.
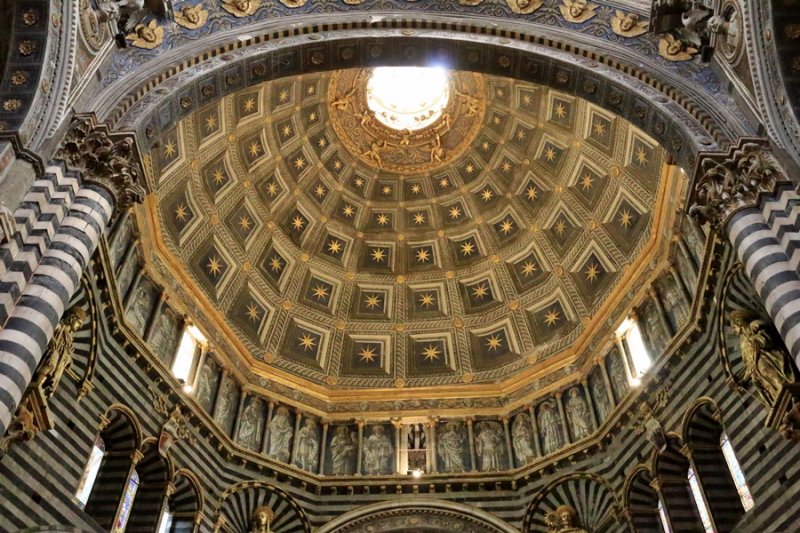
<point x="409" y="98"/>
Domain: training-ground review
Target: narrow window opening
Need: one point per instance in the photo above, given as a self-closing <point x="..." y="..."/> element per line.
<point x="662" y="514"/>
<point x="127" y="503"/>
<point x="637" y="355"/>
<point x="736" y="473"/>
<point x="90" y="473"/>
<point x="189" y="349"/>
<point x="700" y="502"/>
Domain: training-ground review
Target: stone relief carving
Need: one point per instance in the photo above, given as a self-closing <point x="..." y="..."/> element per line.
<point x="251" y="424"/>
<point x="600" y="396"/>
<point x="617" y="374"/>
<point x="147" y="36"/>
<point x="490" y="446"/>
<point x="628" y="24"/>
<point x="522" y="438"/>
<point x="139" y="307"/>
<point x="308" y="445"/>
<point x="577" y="11"/>
<point x="524" y="7"/>
<point x="241" y="8"/>
<point x="207" y="384"/>
<point x="450" y="447"/>
<point x="343" y="451"/>
<point x="673" y="49"/>
<point x="550" y="426"/>
<point x="191" y="17"/>
<point x="578" y="414"/>
<point x="280" y="435"/>
<point x="164" y="338"/>
<point x="378" y="452"/>
<point x="226" y="405"/>
<point x="563" y="520"/>
<point x="261" y="519"/>
<point x="58" y="358"/>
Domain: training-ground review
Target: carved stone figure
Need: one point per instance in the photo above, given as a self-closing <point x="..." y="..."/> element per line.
<point x="617" y="375"/>
<point x="550" y="425"/>
<point x="191" y="17"/>
<point x="241" y="8"/>
<point x="450" y="447"/>
<point x="343" y="451"/>
<point x="308" y="446"/>
<point x="224" y="410"/>
<point x="251" y="424"/>
<point x="767" y="366"/>
<point x="654" y="331"/>
<point x="260" y="520"/>
<point x="165" y="336"/>
<point x="577" y="11"/>
<point x="378" y="452"/>
<point x="524" y="7"/>
<point x="204" y="393"/>
<point x="139" y="310"/>
<point x="280" y="435"/>
<point x="125" y="276"/>
<point x="58" y="358"/>
<point x="490" y="445"/>
<point x="578" y="414"/>
<point x="673" y="49"/>
<point x="563" y="520"/>
<point x="147" y="36"/>
<point x="600" y="398"/>
<point x="522" y="438"/>
<point x="674" y="302"/>
<point x="628" y="24"/>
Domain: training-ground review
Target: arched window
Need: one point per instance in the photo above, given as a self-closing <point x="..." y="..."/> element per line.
<point x="182" y="507"/>
<point x="700" y="502"/>
<point x="90" y="472"/>
<point x="188" y="354"/>
<point x="154" y="475"/>
<point x="671" y="471"/>
<point x="644" y="504"/>
<point x="663" y="517"/>
<point x="636" y="354"/>
<point x="736" y="472"/>
<point x="127" y="503"/>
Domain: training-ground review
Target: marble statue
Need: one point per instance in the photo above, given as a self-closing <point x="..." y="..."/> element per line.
<point x="578" y="414"/>
<point x="280" y="435"/>
<point x="490" y="445"/>
<point x="343" y="451"/>
<point x="260" y="520"/>
<point x="139" y="310"/>
<point x="164" y="337"/>
<point x="225" y="404"/>
<point x="58" y="358"/>
<point x="522" y="438"/>
<point x="600" y="398"/>
<point x="308" y="446"/>
<point x="378" y="452"/>
<point x="450" y="448"/>
<point x="767" y="366"/>
<point x="617" y="375"/>
<point x="673" y="300"/>
<point x="654" y="331"/>
<point x="550" y="426"/>
<point x="204" y="393"/>
<point x="251" y="424"/>
<point x="563" y="520"/>
<point x="125" y="276"/>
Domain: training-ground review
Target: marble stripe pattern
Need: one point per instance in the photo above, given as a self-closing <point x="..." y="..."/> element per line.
<point x="782" y="213"/>
<point x="37" y="218"/>
<point x="769" y="268"/>
<point x="30" y="325"/>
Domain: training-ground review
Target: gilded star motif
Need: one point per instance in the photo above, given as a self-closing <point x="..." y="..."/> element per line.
<point x="348" y="211"/>
<point x="218" y="176"/>
<point x="252" y="312"/>
<point x="506" y="166"/>
<point x="214" y="265"/>
<point x="423" y="255"/>
<point x="431" y="352"/>
<point x="337" y="165"/>
<point x="550" y="154"/>
<point x="426" y="300"/>
<point x="560" y="110"/>
<point x="494" y="342"/>
<point x="592" y="272"/>
<point x="319" y="191"/>
<point x="480" y="292"/>
<point x="485" y="146"/>
<point x="444" y="183"/>
<point x="528" y="268"/>
<point x="283" y="96"/>
<point x="299" y="163"/>
<point x="249" y="104"/>
<point x="310" y="90"/>
<point x="306" y="342"/>
<point x="181" y="212"/>
<point x="287" y="130"/>
<point x="358" y="182"/>
<point x="507" y="226"/>
<point x="560" y="227"/>
<point x="467" y="248"/>
<point x="322" y="142"/>
<point x="641" y="156"/>
<point x="272" y="188"/>
<point x="531" y="193"/>
<point x="312" y="117"/>
<point x="587" y="181"/>
<point x="455" y="212"/>
<point x="526" y="99"/>
<point x="386" y="190"/>
<point x="275" y="264"/>
<point x="320" y="292"/>
<point x="551" y="317"/>
<point x="469" y="168"/>
<point x="254" y="149"/>
<point x="170" y="149"/>
<point x="298" y="223"/>
<point x="334" y="246"/>
<point x="419" y="218"/>
<point x="378" y="255"/>
<point x="211" y="122"/>
<point x="625" y="218"/>
<point x="415" y="189"/>
<point x="245" y="223"/>
<point x="382" y="219"/>
<point x="599" y="128"/>
<point x="496" y="120"/>
<point x="520" y="135"/>
<point x="373" y="301"/>
<point x="487" y="194"/>
<point x="367" y="354"/>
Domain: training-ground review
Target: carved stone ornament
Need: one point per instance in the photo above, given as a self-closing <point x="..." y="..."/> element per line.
<point x="293" y="4"/>
<point x="147" y="36"/>
<point x="727" y="181"/>
<point x="469" y="2"/>
<point x="33" y="416"/>
<point x="675" y="50"/>
<point x="628" y="24"/>
<point x="89" y="147"/>
<point x="191" y="17"/>
<point x="174" y="429"/>
<point x="261" y="519"/>
<point x="58" y="358"/>
<point x="563" y="520"/>
<point x="8" y="225"/>
<point x="524" y="7"/>
<point x="93" y="25"/>
<point x="577" y="11"/>
<point x="651" y="427"/>
<point x="785" y="414"/>
<point x="241" y="8"/>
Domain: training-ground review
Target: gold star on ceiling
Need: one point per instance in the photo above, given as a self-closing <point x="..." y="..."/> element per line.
<point x="378" y="255"/>
<point x="431" y="352"/>
<point x="419" y="218"/>
<point x="507" y="226"/>
<point x="169" y="148"/>
<point x="526" y="99"/>
<point x="275" y="263"/>
<point x="358" y="182"/>
<point x="382" y="219"/>
<point x="426" y="300"/>
<point x="211" y="122"/>
<point x="550" y="154"/>
<point x="386" y="190"/>
<point x="496" y="120"/>
<point x="249" y="104"/>
<point x="625" y="218"/>
<point x="551" y="317"/>
<point x="500" y="93"/>
<point x="310" y="90"/>
<point x="367" y="354"/>
<point x="560" y="110"/>
<point x="467" y="248"/>
<point x="312" y="117"/>
<point x="528" y="268"/>
<point x="587" y="181"/>
<point x="252" y="312"/>
<point x="181" y="212"/>
<point x="337" y="165"/>
<point x="560" y="227"/>
<point x="373" y="301"/>
<point x="298" y="223"/>
<point x="218" y="176"/>
<point x="272" y="188"/>
<point x="334" y="246"/>
<point x="320" y="292"/>
<point x="531" y="193"/>
<point x="641" y="156"/>
<point x="494" y="343"/>
<point x="287" y="130"/>
<point x="592" y="272"/>
<point x="469" y="168"/>
<point x="348" y="211"/>
<point x="485" y="146"/>
<point x="506" y="166"/>
<point x="415" y="189"/>
<point x="214" y="265"/>
<point x="245" y="223"/>
<point x="599" y="128"/>
<point x="480" y="291"/>
<point x="306" y="342"/>
<point x="283" y="96"/>
<point x="423" y="255"/>
<point x="299" y="163"/>
<point x="520" y="135"/>
<point x="455" y="212"/>
<point x="487" y="194"/>
<point x="319" y="191"/>
<point x="322" y="142"/>
<point x="255" y="148"/>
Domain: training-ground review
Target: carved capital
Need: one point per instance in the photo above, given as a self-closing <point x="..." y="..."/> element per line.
<point x="725" y="182"/>
<point x="106" y="159"/>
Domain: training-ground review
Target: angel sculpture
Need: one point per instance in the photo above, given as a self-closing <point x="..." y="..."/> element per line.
<point x="577" y="11"/>
<point x="241" y="8"/>
<point x="129" y="16"/>
<point x="524" y="7"/>
<point x="628" y="25"/>
<point x="191" y="17"/>
<point x="673" y="49"/>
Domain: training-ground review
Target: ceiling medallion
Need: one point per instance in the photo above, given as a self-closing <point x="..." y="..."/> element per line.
<point x="428" y="131"/>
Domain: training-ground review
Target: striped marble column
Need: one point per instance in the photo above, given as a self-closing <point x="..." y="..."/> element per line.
<point x="782" y="213"/>
<point x="30" y="325"/>
<point x="771" y="272"/>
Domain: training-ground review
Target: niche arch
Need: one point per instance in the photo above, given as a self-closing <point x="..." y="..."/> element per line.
<point x="640" y="499"/>
<point x="239" y="501"/>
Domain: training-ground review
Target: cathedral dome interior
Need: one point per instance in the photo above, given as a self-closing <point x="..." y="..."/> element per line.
<point x="334" y="266"/>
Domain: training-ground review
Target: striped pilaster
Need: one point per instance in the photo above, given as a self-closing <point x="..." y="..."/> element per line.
<point x="30" y="325"/>
<point x="775" y="279"/>
<point x="37" y="219"/>
<point x="782" y="213"/>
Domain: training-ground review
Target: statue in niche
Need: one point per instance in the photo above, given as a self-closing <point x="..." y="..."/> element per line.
<point x="204" y="393"/>
<point x="378" y="452"/>
<point x="524" y="7"/>
<point x="280" y="435"/>
<point x="628" y="24"/>
<point x="343" y="451"/>
<point x="58" y="358"/>
<point x="120" y="244"/>
<point x="139" y="310"/>
<point x="767" y="366"/>
<point x="563" y="520"/>
<point x="654" y="331"/>
<point x="225" y="403"/>
<point x="125" y="276"/>
<point x="600" y="398"/>
<point x="251" y="424"/>
<point x="450" y="448"/>
<point x="260" y="520"/>
<point x="673" y="300"/>
<point x="578" y="414"/>
<point x="489" y="445"/>
<point x="165" y="336"/>
<point x="617" y="373"/>
<point x="308" y="446"/>
<point x="550" y="425"/>
<point x="686" y="267"/>
<point x="522" y="438"/>
<point x="577" y="11"/>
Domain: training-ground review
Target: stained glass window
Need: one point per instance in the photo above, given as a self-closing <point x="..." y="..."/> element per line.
<point x="127" y="503"/>
<point x="638" y="355"/>
<point x="662" y="514"/>
<point x="736" y="473"/>
<point x="700" y="502"/>
<point x="91" y="471"/>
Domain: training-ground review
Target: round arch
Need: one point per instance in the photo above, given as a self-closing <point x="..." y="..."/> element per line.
<point x="424" y="514"/>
